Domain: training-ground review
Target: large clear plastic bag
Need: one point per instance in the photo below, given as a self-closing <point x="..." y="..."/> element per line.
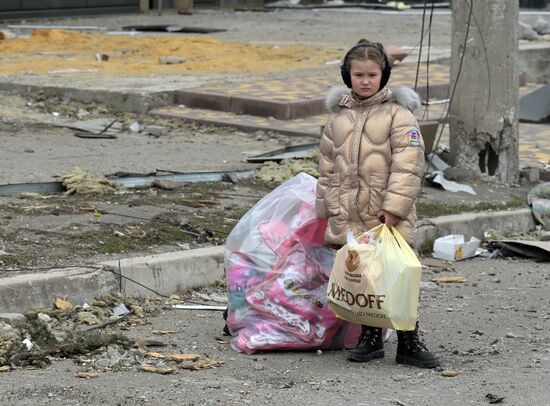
<point x="277" y="274"/>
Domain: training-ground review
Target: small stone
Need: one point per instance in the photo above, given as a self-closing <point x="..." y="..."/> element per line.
<point x="44" y="317"/>
<point x="13" y="319"/>
<point x="428" y="286"/>
<point x="28" y="150"/>
<point x="510" y="335"/>
<point x="450" y="373"/>
<point x="319" y="352"/>
<point x="88" y="318"/>
<point x="171" y="60"/>
<point x="450" y="309"/>
<point x="156" y="130"/>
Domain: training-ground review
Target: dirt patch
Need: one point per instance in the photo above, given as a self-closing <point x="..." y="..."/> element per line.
<point x="50" y="51"/>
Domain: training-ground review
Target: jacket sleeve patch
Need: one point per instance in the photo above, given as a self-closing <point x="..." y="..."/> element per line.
<point x="414" y="137"/>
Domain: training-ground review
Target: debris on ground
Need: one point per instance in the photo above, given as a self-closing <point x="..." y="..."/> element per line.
<point x="277" y="173"/>
<point x="455" y="247"/>
<point x="60" y="332"/>
<point x="438" y="177"/>
<point x="80" y="182"/>
<point x="539" y="199"/>
<point x="449" y="279"/>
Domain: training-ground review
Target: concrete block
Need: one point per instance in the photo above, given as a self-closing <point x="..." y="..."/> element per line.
<point x="78" y="285"/>
<point x="474" y="224"/>
<point x="169" y="273"/>
<point x="13" y="319"/>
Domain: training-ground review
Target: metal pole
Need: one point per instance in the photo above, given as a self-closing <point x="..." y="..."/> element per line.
<point x="160" y="7"/>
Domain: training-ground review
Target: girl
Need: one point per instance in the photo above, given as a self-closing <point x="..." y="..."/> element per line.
<point x="371" y="167"/>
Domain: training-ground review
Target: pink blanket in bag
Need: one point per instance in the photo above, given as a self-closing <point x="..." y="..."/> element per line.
<point x="286" y="309"/>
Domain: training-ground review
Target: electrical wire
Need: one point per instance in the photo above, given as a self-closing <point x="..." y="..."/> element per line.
<point x="426" y="112"/>
<point x="421" y="42"/>
<point x="455" y="83"/>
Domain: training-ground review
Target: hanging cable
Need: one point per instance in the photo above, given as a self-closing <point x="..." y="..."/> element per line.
<point x="421" y="42"/>
<point x="426" y="112"/>
<point x="455" y="83"/>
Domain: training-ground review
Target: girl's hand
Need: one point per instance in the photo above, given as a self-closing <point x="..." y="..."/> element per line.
<point x="387" y="218"/>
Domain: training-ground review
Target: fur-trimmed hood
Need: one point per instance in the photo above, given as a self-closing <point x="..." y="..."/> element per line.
<point x="341" y="96"/>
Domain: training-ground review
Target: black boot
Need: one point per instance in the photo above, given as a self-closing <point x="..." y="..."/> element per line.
<point x="410" y="350"/>
<point x="370" y="345"/>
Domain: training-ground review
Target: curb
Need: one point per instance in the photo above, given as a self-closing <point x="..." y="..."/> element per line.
<point x="175" y="271"/>
<point x="121" y="101"/>
<point x="474" y="224"/>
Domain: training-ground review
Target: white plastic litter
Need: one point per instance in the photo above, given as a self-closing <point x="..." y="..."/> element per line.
<point x="454" y="248"/>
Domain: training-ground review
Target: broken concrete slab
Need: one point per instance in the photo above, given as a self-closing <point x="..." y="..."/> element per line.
<point x="169" y="273"/>
<point x="534" y="107"/>
<point x="104" y="126"/>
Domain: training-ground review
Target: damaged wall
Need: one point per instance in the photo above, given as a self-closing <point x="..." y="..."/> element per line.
<point x="484" y="112"/>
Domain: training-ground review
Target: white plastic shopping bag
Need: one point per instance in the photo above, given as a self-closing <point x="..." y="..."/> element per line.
<point x="376" y="284"/>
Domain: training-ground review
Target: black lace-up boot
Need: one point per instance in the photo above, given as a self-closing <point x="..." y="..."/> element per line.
<point x="370" y="345"/>
<point x="410" y="350"/>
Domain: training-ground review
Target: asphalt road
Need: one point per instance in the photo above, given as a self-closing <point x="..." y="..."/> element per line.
<point x="492" y="329"/>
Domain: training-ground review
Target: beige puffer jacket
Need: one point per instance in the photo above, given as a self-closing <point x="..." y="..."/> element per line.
<point x="372" y="159"/>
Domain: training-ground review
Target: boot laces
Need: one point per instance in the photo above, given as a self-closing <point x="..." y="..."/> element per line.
<point x="413" y="342"/>
<point x="369" y="337"/>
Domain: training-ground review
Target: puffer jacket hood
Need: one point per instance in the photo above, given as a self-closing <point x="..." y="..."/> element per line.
<point x="371" y="159"/>
<point x="401" y="95"/>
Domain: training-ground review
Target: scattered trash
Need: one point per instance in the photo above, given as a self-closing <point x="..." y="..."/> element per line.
<point x="5" y="368"/>
<point x="28" y="344"/>
<point x="184" y="361"/>
<point x="101" y="57"/>
<point x="97" y="126"/>
<point x="134" y="127"/>
<point x="120" y="310"/>
<point x="278" y="173"/>
<point x="539" y="199"/>
<point x="449" y="185"/>
<point x="454" y="247"/>
<point x="4" y="253"/>
<point x="200" y="307"/>
<point x="80" y="182"/>
<point x="450" y="373"/>
<point x="62" y="304"/>
<point x="156" y="370"/>
<point x="449" y="279"/>
<point x="435" y="163"/>
<point x="86" y="375"/>
<point x="539" y="250"/>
